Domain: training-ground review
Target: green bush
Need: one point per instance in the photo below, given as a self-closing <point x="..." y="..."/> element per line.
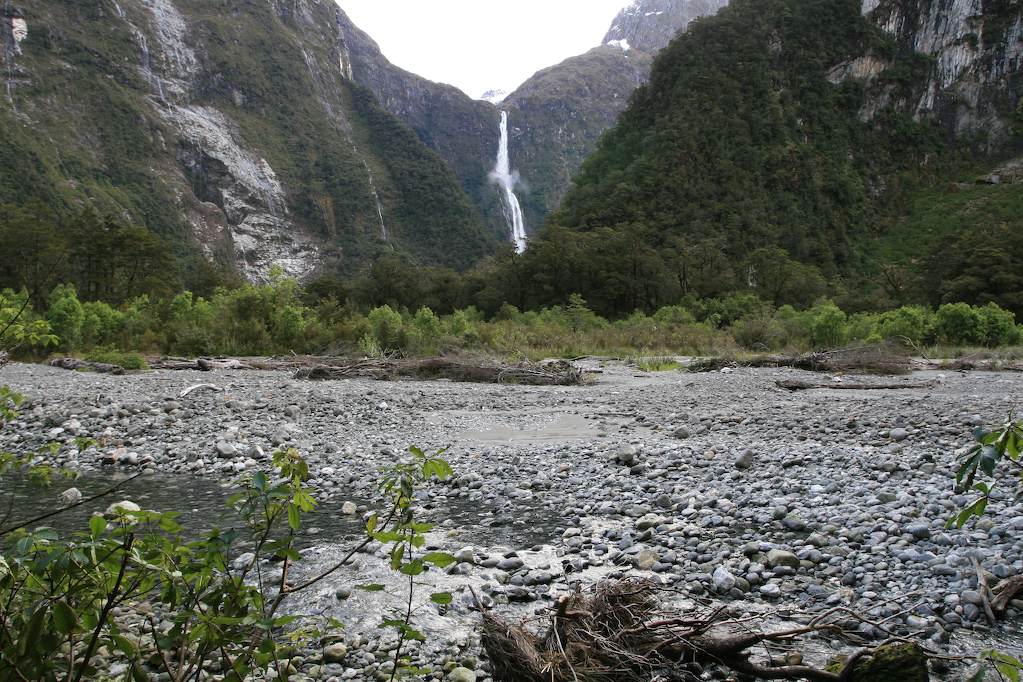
<point x="906" y="321"/>
<point x="960" y="324"/>
<point x="66" y="315"/>
<point x="999" y="326"/>
<point x="112" y="356"/>
<point x="387" y="327"/>
<point x="828" y="328"/>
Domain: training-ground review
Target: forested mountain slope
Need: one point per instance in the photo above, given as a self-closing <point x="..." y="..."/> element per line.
<point x="231" y="129"/>
<point x="804" y="125"/>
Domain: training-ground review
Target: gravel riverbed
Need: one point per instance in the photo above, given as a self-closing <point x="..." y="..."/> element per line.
<point x="718" y="483"/>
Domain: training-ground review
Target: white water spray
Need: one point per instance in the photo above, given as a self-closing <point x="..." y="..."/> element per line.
<point x="503" y="175"/>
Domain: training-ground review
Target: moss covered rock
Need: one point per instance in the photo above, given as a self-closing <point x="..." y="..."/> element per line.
<point x="901" y="662"/>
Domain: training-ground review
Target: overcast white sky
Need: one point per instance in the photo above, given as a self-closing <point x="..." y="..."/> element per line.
<point x="479" y="45"/>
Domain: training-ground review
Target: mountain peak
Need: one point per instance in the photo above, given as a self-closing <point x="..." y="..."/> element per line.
<point x="649" y="25"/>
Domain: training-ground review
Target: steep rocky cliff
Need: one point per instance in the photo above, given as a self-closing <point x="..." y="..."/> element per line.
<point x="236" y="129"/>
<point x="972" y="83"/>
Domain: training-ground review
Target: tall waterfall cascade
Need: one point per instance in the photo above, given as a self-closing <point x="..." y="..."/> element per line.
<point x="506" y="178"/>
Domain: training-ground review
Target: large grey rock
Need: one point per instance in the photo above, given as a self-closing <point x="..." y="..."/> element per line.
<point x="898" y="434"/>
<point x="745" y="460"/>
<point x="335" y="653"/>
<point x="226" y="450"/>
<point x="626" y="454"/>
<point x="461" y="674"/>
<point x="723" y="580"/>
<point x="781" y="557"/>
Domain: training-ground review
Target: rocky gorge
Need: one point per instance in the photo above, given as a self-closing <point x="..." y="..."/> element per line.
<point x="720" y="484"/>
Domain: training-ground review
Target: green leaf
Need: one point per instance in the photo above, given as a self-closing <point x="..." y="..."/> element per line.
<point x="413" y="568"/>
<point x="370" y="588"/>
<point x="138" y="673"/>
<point x="294" y="517"/>
<point x="124" y="644"/>
<point x="30" y="634"/>
<point x="371" y="525"/>
<point x="440" y="559"/>
<point x="65" y="621"/>
<point x="441" y="598"/>
<point x="979" y="675"/>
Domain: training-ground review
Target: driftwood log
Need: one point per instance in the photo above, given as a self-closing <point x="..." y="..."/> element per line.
<point x="799" y="385"/>
<point x="624" y="631"/>
<point x="201" y="364"/>
<point x="76" y="364"/>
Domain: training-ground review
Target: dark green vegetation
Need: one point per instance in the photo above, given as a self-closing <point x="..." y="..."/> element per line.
<point x="98" y="117"/>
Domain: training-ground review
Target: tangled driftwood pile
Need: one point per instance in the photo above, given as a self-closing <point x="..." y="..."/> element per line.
<point x="554" y="373"/>
<point x="624" y="631"/>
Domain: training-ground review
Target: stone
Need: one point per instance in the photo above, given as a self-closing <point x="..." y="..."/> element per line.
<point x="650" y="521"/>
<point x="118" y="508"/>
<point x="646" y="559"/>
<point x="770" y="591"/>
<point x="461" y="674"/>
<point x="343" y="593"/>
<point x="723" y="580"/>
<point x="919" y="531"/>
<point x="626" y="454"/>
<point x="683" y="432"/>
<point x="226" y="450"/>
<point x="335" y="653"/>
<point x="349" y="508"/>
<point x="781" y="557"/>
<point x="745" y="460"/>
<point x="898" y="434"/>
<point x="466" y="554"/>
<point x="971" y="597"/>
<point x="793" y="522"/>
<point x="70" y="496"/>
<point x="243" y="561"/>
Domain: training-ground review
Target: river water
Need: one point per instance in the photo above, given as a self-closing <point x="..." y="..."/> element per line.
<point x="201" y="505"/>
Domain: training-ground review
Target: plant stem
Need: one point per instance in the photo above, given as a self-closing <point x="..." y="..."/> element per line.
<point x="104" y="614"/>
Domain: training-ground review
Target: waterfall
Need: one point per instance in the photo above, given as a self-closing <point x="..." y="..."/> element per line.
<point x="503" y="175"/>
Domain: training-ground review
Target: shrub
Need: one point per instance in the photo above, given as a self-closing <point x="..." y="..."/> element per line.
<point x="999" y="326"/>
<point x="112" y="356"/>
<point x="387" y="327"/>
<point x="829" y="326"/>
<point x="960" y="324"/>
<point x="101" y="323"/>
<point x="66" y="315"/>
<point x="905" y="321"/>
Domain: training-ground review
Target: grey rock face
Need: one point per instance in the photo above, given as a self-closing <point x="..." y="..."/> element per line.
<point x="649" y="25"/>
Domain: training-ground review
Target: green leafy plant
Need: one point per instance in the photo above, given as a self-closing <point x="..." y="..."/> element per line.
<point x="991" y="448"/>
<point x="406" y="537"/>
<point x="222" y="607"/>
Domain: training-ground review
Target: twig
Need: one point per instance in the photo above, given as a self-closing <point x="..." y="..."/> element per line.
<point x="983" y="589"/>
